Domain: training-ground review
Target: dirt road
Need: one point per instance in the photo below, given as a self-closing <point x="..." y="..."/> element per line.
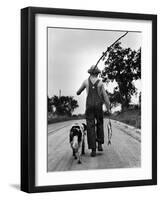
<point x="125" y="151"/>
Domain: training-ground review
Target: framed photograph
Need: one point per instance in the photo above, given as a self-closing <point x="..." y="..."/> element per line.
<point x="88" y="99"/>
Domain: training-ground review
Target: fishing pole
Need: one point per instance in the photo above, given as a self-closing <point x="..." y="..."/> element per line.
<point x="109" y="125"/>
<point x="108" y="48"/>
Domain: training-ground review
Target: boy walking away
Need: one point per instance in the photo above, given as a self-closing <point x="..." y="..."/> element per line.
<point x="96" y="96"/>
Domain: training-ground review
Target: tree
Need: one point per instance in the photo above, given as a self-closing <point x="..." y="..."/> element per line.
<point x="49" y="105"/>
<point x="124" y="66"/>
<point x="115" y="98"/>
<point x="64" y="105"/>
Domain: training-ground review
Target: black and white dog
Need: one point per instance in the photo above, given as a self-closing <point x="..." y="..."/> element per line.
<point x="77" y="140"/>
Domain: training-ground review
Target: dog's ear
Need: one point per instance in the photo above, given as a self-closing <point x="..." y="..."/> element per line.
<point x="84" y="126"/>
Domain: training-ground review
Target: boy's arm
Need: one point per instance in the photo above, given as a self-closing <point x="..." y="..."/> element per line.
<point x="106" y="98"/>
<point x="83" y="86"/>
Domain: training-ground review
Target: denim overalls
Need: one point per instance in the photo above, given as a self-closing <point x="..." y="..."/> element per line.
<point x="94" y="116"/>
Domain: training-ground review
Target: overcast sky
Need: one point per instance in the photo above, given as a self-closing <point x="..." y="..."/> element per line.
<point x="71" y="52"/>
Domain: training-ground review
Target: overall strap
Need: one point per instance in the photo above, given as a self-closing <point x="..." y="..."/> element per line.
<point x="91" y="84"/>
<point x="96" y="83"/>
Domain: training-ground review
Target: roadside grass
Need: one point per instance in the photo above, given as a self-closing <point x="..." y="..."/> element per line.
<point x="130" y="117"/>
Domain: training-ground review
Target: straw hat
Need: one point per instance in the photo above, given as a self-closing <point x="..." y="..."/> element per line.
<point x="94" y="70"/>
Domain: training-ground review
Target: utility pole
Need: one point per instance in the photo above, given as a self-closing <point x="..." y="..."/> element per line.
<point x="59" y="93"/>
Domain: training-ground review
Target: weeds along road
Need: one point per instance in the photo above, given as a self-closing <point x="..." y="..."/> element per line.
<point x="124" y="152"/>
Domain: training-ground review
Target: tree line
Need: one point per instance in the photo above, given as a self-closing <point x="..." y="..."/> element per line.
<point x="63" y="105"/>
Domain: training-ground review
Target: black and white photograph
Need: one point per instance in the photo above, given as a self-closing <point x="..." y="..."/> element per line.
<point x="90" y="85"/>
<point x="94" y="99"/>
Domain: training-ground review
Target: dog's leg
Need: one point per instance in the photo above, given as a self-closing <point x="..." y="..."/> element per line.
<point x="79" y="161"/>
<point x="74" y="154"/>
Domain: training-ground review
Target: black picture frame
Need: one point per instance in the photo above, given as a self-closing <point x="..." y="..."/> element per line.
<point x="28" y="98"/>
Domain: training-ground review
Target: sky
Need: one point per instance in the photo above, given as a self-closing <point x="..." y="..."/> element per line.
<point x="71" y="52"/>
